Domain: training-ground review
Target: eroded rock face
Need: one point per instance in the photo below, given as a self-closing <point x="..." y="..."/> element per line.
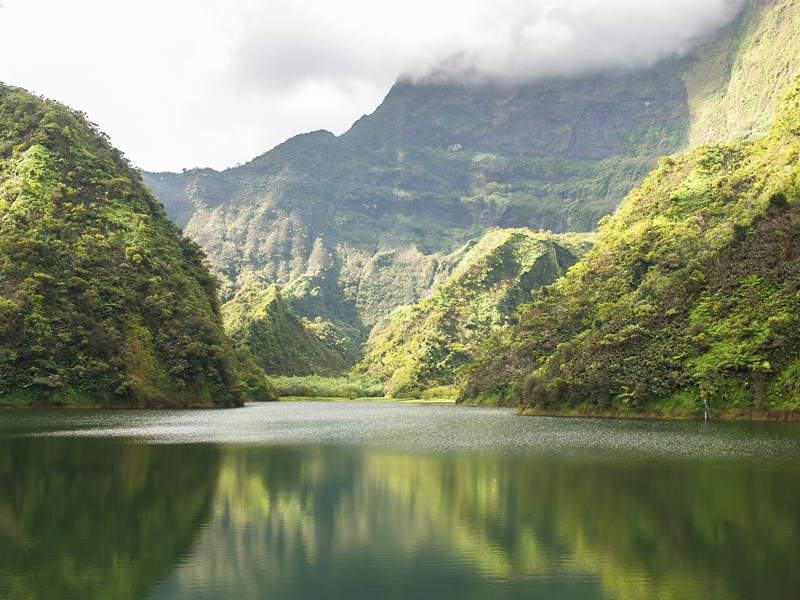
<point x="590" y="118"/>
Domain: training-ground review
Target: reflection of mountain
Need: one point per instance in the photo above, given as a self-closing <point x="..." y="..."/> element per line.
<point x="321" y="522"/>
<point x="677" y="531"/>
<point x="89" y="519"/>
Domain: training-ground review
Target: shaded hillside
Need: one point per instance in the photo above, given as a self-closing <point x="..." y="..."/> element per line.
<point x="259" y="320"/>
<point x="690" y="293"/>
<point x="102" y="300"/>
<point x="420" y="347"/>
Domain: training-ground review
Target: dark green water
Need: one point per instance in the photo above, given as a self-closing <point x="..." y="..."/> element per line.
<point x="352" y="501"/>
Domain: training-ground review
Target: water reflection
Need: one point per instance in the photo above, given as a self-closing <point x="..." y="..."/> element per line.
<point x="394" y="502"/>
<point x="306" y="522"/>
<point x="95" y="519"/>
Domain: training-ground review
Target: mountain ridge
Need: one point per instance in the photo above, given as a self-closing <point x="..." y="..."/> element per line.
<point x="437" y="165"/>
<point x="103" y="301"/>
<point x="422" y="346"/>
<point x="688" y="297"/>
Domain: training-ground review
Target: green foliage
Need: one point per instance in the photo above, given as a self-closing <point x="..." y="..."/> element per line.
<point x="352" y="227"/>
<point x="260" y="322"/>
<point x="690" y="290"/>
<point x="422" y="346"/>
<point x="253" y="382"/>
<point x="102" y="299"/>
<point x="787" y="118"/>
<point x="315" y="386"/>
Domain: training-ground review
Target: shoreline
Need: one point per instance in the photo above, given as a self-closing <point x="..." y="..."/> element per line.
<point x="610" y="413"/>
<point x="366" y="399"/>
<point x="161" y="406"/>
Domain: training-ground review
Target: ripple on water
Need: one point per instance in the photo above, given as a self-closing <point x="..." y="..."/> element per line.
<point x="425" y="428"/>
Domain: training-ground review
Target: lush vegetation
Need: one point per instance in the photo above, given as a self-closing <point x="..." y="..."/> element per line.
<point x="102" y="300"/>
<point x="422" y="346"/>
<point x="260" y="322"/>
<point x="691" y="293"/>
<point x="315" y="386"/>
<point x="352" y="227"/>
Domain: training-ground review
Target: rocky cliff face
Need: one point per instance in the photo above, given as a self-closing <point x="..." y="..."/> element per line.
<point x="587" y="119"/>
<point x="734" y="80"/>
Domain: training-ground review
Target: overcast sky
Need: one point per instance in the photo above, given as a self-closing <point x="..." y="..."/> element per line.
<point x="185" y="83"/>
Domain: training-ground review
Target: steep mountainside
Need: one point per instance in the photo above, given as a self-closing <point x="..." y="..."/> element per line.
<point x="733" y="85"/>
<point x="258" y="319"/>
<point x="421" y="346"/>
<point x="691" y="293"/>
<point x="102" y="301"/>
<point x="351" y="227"/>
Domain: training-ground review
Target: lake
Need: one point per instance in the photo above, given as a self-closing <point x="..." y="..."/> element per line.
<point x="390" y="500"/>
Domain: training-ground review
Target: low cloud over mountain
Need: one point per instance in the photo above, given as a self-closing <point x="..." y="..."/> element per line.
<point x="353" y="42"/>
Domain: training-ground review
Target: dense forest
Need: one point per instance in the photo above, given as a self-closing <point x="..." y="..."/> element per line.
<point x="352" y="227"/>
<point x="421" y="347"/>
<point x="260" y="321"/>
<point x="691" y="294"/>
<point x="103" y="301"/>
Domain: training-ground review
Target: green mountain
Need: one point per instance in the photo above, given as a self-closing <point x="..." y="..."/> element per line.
<point x="260" y="320"/>
<point x="102" y="300"/>
<point x="421" y="346"/>
<point x="352" y="227"/>
<point x="691" y="293"/>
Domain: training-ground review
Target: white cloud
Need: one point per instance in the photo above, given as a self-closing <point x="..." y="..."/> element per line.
<point x="180" y="83"/>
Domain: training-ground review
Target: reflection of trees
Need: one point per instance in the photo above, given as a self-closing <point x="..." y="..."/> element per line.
<point x="288" y="519"/>
<point x="688" y="531"/>
<point x="91" y="519"/>
<point x="98" y="519"/>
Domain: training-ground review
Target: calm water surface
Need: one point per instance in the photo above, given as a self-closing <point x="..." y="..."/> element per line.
<point x="348" y="500"/>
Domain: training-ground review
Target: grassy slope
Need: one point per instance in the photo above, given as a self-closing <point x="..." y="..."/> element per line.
<point x="690" y="293"/>
<point x="102" y="301"/>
